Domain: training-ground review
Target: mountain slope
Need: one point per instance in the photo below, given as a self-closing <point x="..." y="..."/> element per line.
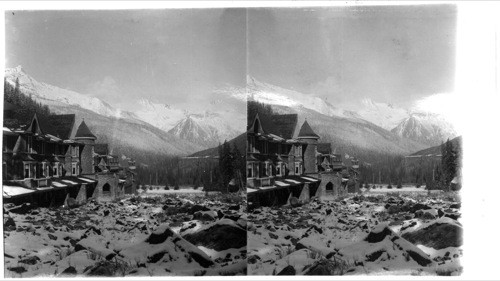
<point x="110" y="125"/>
<point x="352" y="135"/>
<point x="47" y="93"/>
<point x="457" y="142"/>
<point x="426" y="128"/>
<point x="240" y="142"/>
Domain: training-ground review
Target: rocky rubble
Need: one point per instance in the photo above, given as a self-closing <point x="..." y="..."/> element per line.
<point x="137" y="236"/>
<point x="410" y="235"/>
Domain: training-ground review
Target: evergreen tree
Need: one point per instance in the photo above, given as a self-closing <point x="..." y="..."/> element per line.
<point x="225" y="165"/>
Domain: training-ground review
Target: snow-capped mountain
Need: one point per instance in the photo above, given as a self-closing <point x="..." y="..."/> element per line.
<point x="384" y="115"/>
<point x="222" y="119"/>
<point x="274" y="95"/>
<point x="207" y="129"/>
<point x="413" y="123"/>
<point x="427" y="128"/>
<point x="48" y="94"/>
<point x="162" y="116"/>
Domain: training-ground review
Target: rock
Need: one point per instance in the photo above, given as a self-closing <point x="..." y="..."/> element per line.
<point x="456" y="206"/>
<point x="52" y="237"/>
<point x="234" y="208"/>
<point x="289" y="270"/>
<point x="294" y="202"/>
<point x="322" y="267"/>
<point x="253" y="259"/>
<point x="221" y="235"/>
<point x="419" y="206"/>
<point x="437" y="236"/>
<point x="273" y="236"/>
<point x="17" y="269"/>
<point x="30" y="260"/>
<point x="69" y="271"/>
<point x="104" y="268"/>
<point x="394" y="209"/>
<point x="21" y="209"/>
<point x="197" y="208"/>
<point x="377" y="235"/>
<point x="428" y="214"/>
<point x="205" y="215"/>
<point x="452" y="216"/>
<point x="8" y="222"/>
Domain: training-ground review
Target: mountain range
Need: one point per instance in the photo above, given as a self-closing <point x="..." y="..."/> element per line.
<point x="152" y="126"/>
<point x="368" y="126"/>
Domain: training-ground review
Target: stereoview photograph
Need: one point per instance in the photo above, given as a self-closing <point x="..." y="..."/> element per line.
<point x="231" y="141"/>
<point x="123" y="152"/>
<point x="349" y="171"/>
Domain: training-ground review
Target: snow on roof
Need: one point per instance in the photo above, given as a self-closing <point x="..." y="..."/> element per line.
<point x="293" y="181"/>
<point x="310" y="179"/>
<point x="87" y="180"/>
<point x="280" y="183"/>
<point x="10" y="191"/>
<point x="250" y="190"/>
<point x="58" y="184"/>
<point x="70" y="182"/>
<point x="44" y="188"/>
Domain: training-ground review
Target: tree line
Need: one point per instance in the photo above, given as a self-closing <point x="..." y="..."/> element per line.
<point x="25" y="106"/>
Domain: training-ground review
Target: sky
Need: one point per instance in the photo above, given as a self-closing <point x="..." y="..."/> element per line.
<point x="396" y="54"/>
<point x="171" y="56"/>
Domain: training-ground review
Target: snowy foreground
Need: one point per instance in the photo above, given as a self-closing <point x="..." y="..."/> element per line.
<point x="372" y="234"/>
<point x="177" y="234"/>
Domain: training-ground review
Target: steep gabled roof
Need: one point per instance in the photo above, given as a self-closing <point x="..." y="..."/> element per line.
<point x="284" y="125"/>
<point x="307" y="132"/>
<point x="84" y="132"/>
<point x="58" y="125"/>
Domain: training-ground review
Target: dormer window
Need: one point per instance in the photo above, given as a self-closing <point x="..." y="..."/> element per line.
<point x="29" y="144"/>
<point x="279" y="169"/>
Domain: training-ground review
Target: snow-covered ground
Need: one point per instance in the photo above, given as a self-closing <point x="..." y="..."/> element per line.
<point x="169" y="234"/>
<point x="373" y="234"/>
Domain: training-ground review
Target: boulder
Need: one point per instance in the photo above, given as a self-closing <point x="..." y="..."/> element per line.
<point x="8" y="223"/>
<point x="289" y="270"/>
<point x="221" y="235"/>
<point x="322" y="267"/>
<point x="438" y="235"/>
<point x="69" y="271"/>
<point x="21" y="209"/>
<point x="428" y="214"/>
<point x="205" y="215"/>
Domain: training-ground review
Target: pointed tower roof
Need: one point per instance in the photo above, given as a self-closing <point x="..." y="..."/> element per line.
<point x="84" y="131"/>
<point x="307" y="132"/>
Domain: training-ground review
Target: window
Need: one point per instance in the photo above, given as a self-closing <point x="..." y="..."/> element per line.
<point x="298" y="168"/>
<point x="74" y="169"/>
<point x="44" y="170"/>
<point x="278" y="169"/>
<point x="299" y="150"/>
<point x="60" y="170"/>
<point x="249" y="171"/>
<point x="27" y="171"/>
<point x="55" y="170"/>
<point x="29" y="144"/>
<point x="75" y="151"/>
